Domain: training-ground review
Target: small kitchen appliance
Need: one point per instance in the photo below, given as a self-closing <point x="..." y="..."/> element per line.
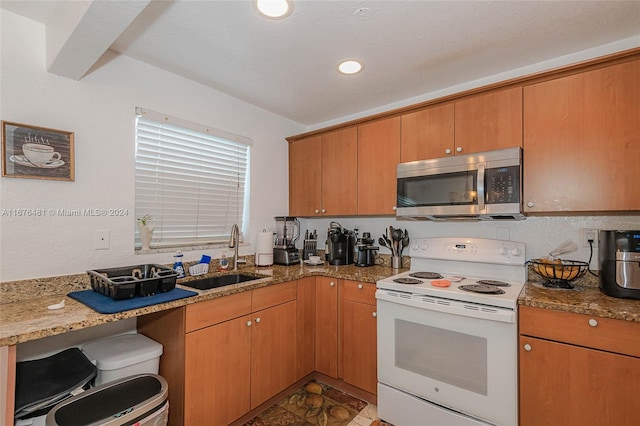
<point x="365" y="251"/>
<point x="264" y="248"/>
<point x="620" y="263"/>
<point x="287" y="233"/>
<point x="448" y="336"/>
<point x="340" y="245"/>
<point x="479" y="186"/>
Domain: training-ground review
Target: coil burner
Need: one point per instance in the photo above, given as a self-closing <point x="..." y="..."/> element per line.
<point x="426" y="275"/>
<point x="482" y="288"/>
<point x="494" y="282"/>
<point x="407" y="280"/>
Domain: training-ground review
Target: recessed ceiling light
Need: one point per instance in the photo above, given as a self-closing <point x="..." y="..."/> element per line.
<point x="350" y="67"/>
<point x="274" y="8"/>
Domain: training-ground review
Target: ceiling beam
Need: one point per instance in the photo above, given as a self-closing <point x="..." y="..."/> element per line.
<point x="79" y="32"/>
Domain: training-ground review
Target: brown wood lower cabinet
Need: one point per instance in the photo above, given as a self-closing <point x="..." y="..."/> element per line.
<point x="273" y="351"/>
<point x="226" y="356"/>
<point x="358" y="335"/>
<point x="327" y="326"/>
<point x="217" y="373"/>
<point x="570" y="373"/>
<point x="306" y="326"/>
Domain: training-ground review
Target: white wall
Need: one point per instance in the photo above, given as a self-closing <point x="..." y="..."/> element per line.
<point x="99" y="109"/>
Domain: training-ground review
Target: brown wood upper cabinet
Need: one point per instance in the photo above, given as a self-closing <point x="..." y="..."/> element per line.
<point x="478" y="123"/>
<point x="427" y="133"/>
<point x="582" y="141"/>
<point x="378" y="157"/>
<point x="323" y="174"/>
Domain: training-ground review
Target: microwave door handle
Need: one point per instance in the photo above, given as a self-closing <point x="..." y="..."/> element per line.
<point x="481" y="177"/>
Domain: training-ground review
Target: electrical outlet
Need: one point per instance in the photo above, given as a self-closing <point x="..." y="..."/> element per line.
<point x="590" y="234"/>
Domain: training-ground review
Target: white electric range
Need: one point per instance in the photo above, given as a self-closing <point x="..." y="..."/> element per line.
<point x="447" y="333"/>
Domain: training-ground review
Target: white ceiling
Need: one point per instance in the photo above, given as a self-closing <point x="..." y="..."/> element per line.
<point x="287" y="66"/>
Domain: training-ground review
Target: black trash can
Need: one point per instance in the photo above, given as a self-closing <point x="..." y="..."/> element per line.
<point x="139" y="399"/>
<point x="43" y="383"/>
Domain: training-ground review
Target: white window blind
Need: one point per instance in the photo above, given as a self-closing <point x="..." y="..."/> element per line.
<point x="190" y="178"/>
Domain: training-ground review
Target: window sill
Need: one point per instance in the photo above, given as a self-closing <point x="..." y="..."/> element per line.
<point x="187" y="248"/>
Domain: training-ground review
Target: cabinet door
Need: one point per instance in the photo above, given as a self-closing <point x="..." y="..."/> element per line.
<point x="305" y="176"/>
<point x="340" y="172"/>
<point x="359" y="357"/>
<point x="562" y="384"/>
<point x="427" y="133"/>
<point x="378" y="158"/>
<point x="327" y="326"/>
<point x="306" y="326"/>
<point x="217" y="368"/>
<point x="273" y="351"/>
<point x="582" y="141"/>
<point x="489" y="121"/>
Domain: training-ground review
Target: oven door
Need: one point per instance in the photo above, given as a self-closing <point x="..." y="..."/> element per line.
<point x="457" y="355"/>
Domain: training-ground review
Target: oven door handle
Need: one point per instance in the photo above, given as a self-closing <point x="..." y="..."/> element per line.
<point x="481" y="187"/>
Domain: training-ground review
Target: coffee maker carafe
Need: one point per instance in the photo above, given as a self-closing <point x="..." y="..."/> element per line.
<point x="287" y="233"/>
<point x="340" y="242"/>
<point x="365" y="251"/>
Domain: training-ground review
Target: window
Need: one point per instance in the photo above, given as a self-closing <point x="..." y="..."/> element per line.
<point x="190" y="178"/>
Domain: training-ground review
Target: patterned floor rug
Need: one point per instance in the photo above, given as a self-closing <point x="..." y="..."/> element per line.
<point x="313" y="404"/>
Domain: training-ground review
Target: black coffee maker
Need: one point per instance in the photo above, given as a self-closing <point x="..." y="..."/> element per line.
<point x="365" y="251"/>
<point x="339" y="246"/>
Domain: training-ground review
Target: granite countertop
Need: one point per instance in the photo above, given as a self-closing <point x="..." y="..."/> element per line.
<point x="588" y="300"/>
<point x="24" y="315"/>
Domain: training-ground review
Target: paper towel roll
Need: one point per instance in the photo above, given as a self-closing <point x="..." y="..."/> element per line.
<point x="264" y="248"/>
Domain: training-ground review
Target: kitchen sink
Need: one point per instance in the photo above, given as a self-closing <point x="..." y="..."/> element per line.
<point x="221" y="281"/>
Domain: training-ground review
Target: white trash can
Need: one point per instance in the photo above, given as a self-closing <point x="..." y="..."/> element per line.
<point x="123" y="355"/>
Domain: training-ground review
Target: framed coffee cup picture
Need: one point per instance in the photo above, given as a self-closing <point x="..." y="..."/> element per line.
<point x="36" y="152"/>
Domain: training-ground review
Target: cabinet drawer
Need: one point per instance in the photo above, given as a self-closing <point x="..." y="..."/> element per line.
<point x="591" y="331"/>
<point x="359" y="292"/>
<point x="266" y="297"/>
<point x="210" y="312"/>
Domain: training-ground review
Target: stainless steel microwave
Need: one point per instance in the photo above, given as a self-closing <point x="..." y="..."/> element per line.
<point x="481" y="186"/>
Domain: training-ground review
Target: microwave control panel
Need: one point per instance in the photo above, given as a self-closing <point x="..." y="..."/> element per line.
<point x="503" y="185"/>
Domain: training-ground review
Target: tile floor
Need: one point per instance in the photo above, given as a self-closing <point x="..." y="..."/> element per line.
<point x="366" y="417"/>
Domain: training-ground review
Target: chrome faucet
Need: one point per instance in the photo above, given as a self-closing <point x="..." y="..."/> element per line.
<point x="234" y="243"/>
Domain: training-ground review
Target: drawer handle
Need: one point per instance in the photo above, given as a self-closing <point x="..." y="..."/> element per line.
<point x="332" y="284"/>
<point x="248" y="323"/>
<point x="360" y="286"/>
<point x="593" y="322"/>
<point x="527" y="347"/>
<point x="257" y="320"/>
<point x="375" y="314"/>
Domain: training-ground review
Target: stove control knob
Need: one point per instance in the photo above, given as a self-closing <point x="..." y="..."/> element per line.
<point x="415" y="246"/>
<point x="502" y="251"/>
<point x="516" y="251"/>
<point x="424" y="246"/>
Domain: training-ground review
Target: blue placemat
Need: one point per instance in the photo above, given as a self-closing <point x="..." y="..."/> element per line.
<point x="106" y="305"/>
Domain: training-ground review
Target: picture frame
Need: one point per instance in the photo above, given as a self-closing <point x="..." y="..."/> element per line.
<point x="35" y="152"/>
